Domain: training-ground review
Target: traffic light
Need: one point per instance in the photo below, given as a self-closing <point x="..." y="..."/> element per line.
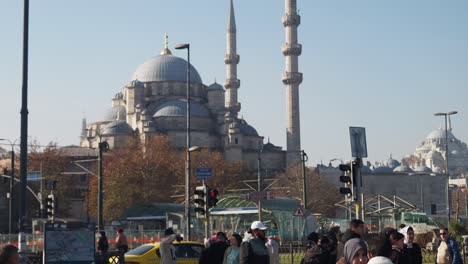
<point x="212" y="197"/>
<point x="199" y="199"/>
<point x="50" y="206"/>
<point x="346" y="178"/>
<point x="5" y="179"/>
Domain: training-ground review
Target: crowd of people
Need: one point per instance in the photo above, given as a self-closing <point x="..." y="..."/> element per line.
<point x="395" y="246"/>
<point x="354" y="246"/>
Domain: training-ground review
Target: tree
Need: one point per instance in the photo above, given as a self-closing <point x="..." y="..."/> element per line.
<point x="137" y="173"/>
<point x="322" y="195"/>
<point x="50" y="164"/>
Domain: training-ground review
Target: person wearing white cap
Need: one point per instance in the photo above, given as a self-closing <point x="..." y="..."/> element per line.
<point x="254" y="251"/>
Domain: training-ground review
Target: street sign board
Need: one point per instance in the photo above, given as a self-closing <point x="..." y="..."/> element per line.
<point x="204" y="173"/>
<point x="255" y="196"/>
<point x="358" y="142"/>
<point x="299" y="212"/>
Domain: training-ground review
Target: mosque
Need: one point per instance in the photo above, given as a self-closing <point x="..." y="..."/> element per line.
<point x="154" y="103"/>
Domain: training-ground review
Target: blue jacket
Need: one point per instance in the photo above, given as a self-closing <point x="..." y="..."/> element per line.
<point x="454" y="251"/>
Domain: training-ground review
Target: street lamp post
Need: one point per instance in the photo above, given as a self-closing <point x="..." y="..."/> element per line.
<point x="304" y="158"/>
<point x="447" y="175"/>
<point x="24" y="132"/>
<point x="10" y="199"/>
<point x="187" y="150"/>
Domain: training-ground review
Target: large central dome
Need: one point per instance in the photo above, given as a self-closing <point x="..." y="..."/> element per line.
<point x="165" y="68"/>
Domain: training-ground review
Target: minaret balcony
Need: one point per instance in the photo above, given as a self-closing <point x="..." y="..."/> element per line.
<point x="231" y="58"/>
<point x="292" y="77"/>
<point x="232" y="83"/>
<point x="291" y="49"/>
<point x="291" y="20"/>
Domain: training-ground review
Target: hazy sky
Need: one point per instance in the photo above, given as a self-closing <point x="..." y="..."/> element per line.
<point x="387" y="65"/>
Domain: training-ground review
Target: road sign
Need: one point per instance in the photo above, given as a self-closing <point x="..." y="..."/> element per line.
<point x="358" y="142"/>
<point x="299" y="212"/>
<point x="255" y="196"/>
<point x="204" y="173"/>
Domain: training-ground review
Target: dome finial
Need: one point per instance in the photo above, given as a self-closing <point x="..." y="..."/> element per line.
<point x="166" y="50"/>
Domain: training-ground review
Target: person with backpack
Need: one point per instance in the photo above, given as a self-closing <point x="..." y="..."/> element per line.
<point x="255" y="251"/>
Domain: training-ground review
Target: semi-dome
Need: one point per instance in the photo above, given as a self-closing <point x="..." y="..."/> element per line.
<point x="215" y="86"/>
<point x="116" y="112"/>
<point x="165" y="67"/>
<point x="440" y="134"/>
<point x="179" y="108"/>
<point x="117" y="127"/>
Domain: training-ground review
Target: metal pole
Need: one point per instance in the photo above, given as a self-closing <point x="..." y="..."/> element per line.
<point x="447" y="169"/>
<point x="259" y="186"/>
<point x="187" y="165"/>
<point x="24" y="133"/>
<point x="10" y="202"/>
<point x="304" y="181"/>
<point x="207" y="212"/>
<point x="100" y="188"/>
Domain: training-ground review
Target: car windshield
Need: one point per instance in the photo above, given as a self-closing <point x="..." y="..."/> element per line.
<point x="140" y="250"/>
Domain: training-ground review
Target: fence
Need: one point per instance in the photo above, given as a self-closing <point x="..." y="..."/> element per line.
<point x="291" y="253"/>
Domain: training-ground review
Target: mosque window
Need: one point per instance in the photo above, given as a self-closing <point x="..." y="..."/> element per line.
<point x="236" y="141"/>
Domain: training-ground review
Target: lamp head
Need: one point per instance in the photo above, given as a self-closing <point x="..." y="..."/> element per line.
<point x="452" y="112"/>
<point x="440" y="114"/>
<point x="182" y="46"/>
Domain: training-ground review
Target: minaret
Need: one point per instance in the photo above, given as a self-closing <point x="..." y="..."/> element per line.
<point x="292" y="78"/>
<point x="231" y="60"/>
<point x="83" y="128"/>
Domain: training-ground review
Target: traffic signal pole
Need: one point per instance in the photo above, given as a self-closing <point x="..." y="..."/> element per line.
<point x="356" y="172"/>
<point x="207" y="212"/>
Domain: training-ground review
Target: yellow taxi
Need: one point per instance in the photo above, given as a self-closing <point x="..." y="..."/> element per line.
<point x="187" y="252"/>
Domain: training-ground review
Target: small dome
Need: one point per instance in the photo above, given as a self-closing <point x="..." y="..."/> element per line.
<point x="365" y="169"/>
<point x="438" y="170"/>
<point x="247" y="129"/>
<point x="403" y="169"/>
<point x="116" y="112"/>
<point x="391" y="163"/>
<point x="166" y="68"/>
<point x="215" y="86"/>
<point x="179" y="108"/>
<point x="383" y="169"/>
<point x="116" y="128"/>
<point x="422" y="169"/>
<point x="440" y="134"/>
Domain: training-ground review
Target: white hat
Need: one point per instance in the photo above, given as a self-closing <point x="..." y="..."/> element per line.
<point x="257" y="225"/>
<point x="380" y="260"/>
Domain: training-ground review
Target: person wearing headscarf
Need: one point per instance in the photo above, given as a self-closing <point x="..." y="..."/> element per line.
<point x="354" y="252"/>
<point x="411" y="249"/>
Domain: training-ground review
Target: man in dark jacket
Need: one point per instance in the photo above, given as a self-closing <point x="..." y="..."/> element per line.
<point x="254" y="251"/>
<point x="447" y="250"/>
<point x="214" y="253"/>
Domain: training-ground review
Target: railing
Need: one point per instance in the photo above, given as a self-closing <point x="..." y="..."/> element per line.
<point x="291" y="253"/>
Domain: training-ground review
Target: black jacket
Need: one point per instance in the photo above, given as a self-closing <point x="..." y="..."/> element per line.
<point x="414" y="254"/>
<point x="103" y="244"/>
<point x="214" y="254"/>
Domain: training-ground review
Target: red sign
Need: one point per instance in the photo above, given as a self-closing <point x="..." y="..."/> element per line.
<point x="299" y="212"/>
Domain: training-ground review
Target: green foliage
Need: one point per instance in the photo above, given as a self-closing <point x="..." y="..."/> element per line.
<point x="456" y="230"/>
